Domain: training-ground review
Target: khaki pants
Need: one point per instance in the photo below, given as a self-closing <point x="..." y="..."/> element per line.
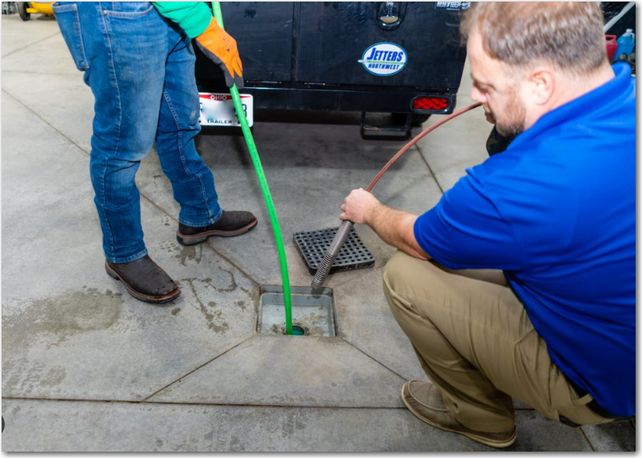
<point x="475" y="341"/>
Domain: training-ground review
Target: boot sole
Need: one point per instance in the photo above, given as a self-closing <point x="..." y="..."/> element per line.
<point x="195" y="239"/>
<point x="142" y="296"/>
<point x="469" y="435"/>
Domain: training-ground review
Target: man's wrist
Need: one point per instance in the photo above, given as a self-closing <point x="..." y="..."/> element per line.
<point x="372" y="213"/>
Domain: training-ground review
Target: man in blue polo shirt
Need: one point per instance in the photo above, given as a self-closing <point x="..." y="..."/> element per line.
<point x="520" y="282"/>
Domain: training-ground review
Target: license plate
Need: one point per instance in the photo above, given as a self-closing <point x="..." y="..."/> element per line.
<point x="217" y="109"/>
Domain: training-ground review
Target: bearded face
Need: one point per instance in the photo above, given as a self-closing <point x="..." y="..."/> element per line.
<point x="511" y="120"/>
<point x="496" y="86"/>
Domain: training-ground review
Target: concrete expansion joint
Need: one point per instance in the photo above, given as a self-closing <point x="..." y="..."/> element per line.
<point x="432" y="172"/>
<point x="276" y="406"/>
<point x="208" y="404"/>
<point x="28" y="46"/>
<point x="187" y="374"/>
<point x="36" y="114"/>
<point x="374" y="359"/>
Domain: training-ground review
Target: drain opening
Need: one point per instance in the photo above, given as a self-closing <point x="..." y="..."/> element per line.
<point x="297" y="330"/>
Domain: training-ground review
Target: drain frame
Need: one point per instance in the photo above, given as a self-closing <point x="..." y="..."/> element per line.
<point x="312" y="310"/>
<point x="313" y="245"/>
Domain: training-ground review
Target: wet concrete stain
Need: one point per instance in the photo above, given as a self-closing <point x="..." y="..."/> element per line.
<point x="213" y="316"/>
<point x="244" y="289"/>
<point x="292" y="423"/>
<point x="190" y="253"/>
<point x="21" y="377"/>
<point x="60" y="317"/>
<point x="47" y="323"/>
<point x="232" y="285"/>
<point x="54" y="376"/>
<point x="169" y="246"/>
<point x="236" y="445"/>
<point x="217" y="283"/>
<point x="184" y="254"/>
<point x="175" y="311"/>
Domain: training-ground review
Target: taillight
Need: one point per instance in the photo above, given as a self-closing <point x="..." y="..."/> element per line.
<point x="424" y="103"/>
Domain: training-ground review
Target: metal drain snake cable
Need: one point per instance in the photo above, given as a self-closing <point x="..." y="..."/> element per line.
<point x="265" y="189"/>
<point x="344" y="229"/>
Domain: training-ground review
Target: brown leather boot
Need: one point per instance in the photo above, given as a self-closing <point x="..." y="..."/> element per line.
<point x="230" y="223"/>
<point x="144" y="280"/>
<point x="424" y="400"/>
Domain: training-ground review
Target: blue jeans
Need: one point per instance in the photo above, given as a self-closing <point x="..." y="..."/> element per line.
<point x="140" y="68"/>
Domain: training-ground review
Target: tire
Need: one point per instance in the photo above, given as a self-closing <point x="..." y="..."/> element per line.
<point x="418" y="120"/>
<point x="22" y="10"/>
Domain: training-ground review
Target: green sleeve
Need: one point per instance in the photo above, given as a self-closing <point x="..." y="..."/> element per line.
<point x="192" y="17"/>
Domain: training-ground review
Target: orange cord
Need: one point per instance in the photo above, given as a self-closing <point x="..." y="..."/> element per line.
<point x="421" y="135"/>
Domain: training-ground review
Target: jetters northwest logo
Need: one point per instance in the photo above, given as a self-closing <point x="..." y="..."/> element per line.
<point x="384" y="59"/>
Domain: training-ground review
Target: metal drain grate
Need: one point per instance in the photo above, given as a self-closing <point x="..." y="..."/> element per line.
<point x="314" y="245"/>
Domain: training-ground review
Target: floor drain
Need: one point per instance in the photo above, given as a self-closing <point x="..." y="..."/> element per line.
<point x="312" y="311"/>
<point x="298" y="330"/>
<point x="313" y="246"/>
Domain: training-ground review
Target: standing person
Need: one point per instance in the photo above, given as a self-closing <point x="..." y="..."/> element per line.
<point x="520" y="282"/>
<point x="139" y="64"/>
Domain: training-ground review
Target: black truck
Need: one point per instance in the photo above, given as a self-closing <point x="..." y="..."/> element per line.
<point x="402" y="58"/>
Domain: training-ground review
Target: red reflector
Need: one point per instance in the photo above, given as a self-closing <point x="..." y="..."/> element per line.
<point x="430" y="103"/>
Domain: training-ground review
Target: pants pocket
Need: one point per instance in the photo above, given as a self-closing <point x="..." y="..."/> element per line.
<point x="69" y="22"/>
<point x="578" y="413"/>
<point x="127" y="10"/>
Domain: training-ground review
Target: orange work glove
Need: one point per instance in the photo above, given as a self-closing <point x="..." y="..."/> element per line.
<point x="221" y="48"/>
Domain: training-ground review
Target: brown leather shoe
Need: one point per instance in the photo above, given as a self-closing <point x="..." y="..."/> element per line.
<point x="230" y="223"/>
<point x="424" y="400"/>
<point x="144" y="280"/>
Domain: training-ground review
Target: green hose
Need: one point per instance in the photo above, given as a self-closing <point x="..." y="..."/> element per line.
<point x="265" y="189"/>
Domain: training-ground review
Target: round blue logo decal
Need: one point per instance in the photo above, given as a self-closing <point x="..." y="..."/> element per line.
<point x="384" y="59"/>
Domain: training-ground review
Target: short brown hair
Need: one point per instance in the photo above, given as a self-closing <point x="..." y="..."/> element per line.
<point x="568" y="35"/>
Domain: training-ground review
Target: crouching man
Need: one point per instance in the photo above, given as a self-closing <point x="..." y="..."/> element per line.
<point x="520" y="282"/>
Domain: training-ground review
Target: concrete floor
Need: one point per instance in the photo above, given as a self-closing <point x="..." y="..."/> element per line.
<point x="88" y="368"/>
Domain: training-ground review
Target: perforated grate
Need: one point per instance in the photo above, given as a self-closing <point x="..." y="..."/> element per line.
<point x="313" y="246"/>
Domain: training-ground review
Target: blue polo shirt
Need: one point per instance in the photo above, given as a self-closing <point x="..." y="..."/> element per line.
<point x="556" y="212"/>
